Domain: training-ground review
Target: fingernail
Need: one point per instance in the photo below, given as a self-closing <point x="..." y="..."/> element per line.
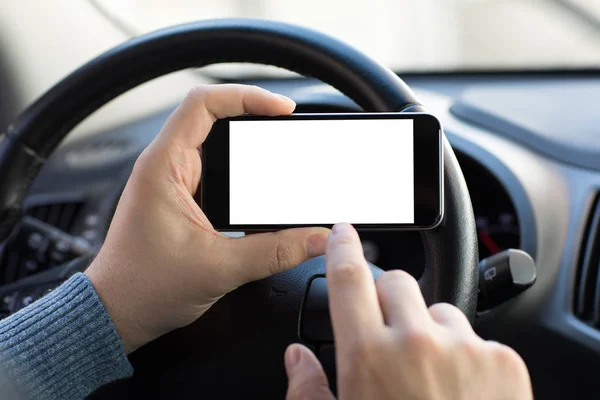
<point x="342" y="228"/>
<point x="293" y="356"/>
<point x="316" y="245"/>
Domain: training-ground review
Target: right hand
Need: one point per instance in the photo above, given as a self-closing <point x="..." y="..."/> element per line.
<point x="389" y="345"/>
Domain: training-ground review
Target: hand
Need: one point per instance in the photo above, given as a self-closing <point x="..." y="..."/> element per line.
<point x="390" y="346"/>
<point x="162" y="264"/>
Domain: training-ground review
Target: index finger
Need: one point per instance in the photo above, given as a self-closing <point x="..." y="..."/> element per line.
<point x="353" y="302"/>
<point x="191" y="122"/>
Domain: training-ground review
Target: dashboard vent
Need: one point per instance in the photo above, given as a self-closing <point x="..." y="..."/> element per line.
<point x="587" y="286"/>
<point x="20" y="261"/>
<point x="60" y="215"/>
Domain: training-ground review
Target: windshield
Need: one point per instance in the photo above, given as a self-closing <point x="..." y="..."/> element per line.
<point x="412" y="35"/>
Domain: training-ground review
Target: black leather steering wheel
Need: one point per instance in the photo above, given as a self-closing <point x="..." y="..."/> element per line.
<point x="236" y="349"/>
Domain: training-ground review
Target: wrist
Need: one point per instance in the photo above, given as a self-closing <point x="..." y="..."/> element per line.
<point x="119" y="303"/>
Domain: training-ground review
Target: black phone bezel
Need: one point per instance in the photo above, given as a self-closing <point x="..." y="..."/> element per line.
<point x="428" y="172"/>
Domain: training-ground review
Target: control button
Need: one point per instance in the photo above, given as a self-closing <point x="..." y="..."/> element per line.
<point x="35" y="240"/>
<point x="7" y="301"/>
<point x="31" y="265"/>
<point x="38" y="245"/>
<point x="91" y="220"/>
<point x="89" y="234"/>
<point x="63" y="245"/>
<point x="27" y="300"/>
<point x="57" y="257"/>
<point x="80" y="246"/>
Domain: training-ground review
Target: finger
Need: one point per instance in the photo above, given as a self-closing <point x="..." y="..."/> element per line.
<point x="191" y="122"/>
<point x="306" y="379"/>
<point x="257" y="256"/>
<point x="353" y="304"/>
<point x="401" y="300"/>
<point x="452" y="318"/>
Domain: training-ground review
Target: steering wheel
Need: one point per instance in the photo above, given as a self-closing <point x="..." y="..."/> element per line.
<point x="236" y="349"/>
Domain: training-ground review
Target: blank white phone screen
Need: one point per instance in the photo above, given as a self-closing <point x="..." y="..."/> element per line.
<point x="321" y="172"/>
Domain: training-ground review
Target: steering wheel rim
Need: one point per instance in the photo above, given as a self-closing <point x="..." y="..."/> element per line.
<point x="450" y="273"/>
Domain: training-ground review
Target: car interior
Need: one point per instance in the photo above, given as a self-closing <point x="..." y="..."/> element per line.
<point x="85" y="86"/>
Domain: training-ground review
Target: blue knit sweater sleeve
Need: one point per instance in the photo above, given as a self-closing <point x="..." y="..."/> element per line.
<point x="64" y="346"/>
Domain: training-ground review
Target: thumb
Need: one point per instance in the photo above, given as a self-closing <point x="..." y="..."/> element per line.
<point x="305" y="375"/>
<point x="257" y="256"/>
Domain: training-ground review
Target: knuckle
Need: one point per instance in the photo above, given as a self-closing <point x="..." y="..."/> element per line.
<point x="197" y="93"/>
<point x="443" y="308"/>
<point x="509" y="363"/>
<point x="282" y="258"/>
<point x="144" y="167"/>
<point x="420" y="341"/>
<point x="250" y="87"/>
<point x="471" y="349"/>
<point x="507" y="359"/>
<point x="397" y="277"/>
<point x="446" y="311"/>
<point x="142" y="161"/>
<point x="345" y="273"/>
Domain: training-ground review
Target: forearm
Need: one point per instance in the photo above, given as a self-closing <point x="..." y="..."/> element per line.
<point x="64" y="345"/>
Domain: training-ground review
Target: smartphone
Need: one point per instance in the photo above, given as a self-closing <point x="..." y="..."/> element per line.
<point x="377" y="171"/>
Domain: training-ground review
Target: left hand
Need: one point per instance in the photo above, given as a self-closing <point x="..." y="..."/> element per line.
<point x="162" y="264"/>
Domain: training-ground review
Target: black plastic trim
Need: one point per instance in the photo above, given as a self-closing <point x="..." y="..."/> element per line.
<point x="510" y="183"/>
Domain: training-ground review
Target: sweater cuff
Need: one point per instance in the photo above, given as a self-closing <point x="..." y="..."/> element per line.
<point x="64" y="345"/>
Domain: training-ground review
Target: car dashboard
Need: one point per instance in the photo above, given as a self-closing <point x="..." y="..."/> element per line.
<point x="527" y="146"/>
